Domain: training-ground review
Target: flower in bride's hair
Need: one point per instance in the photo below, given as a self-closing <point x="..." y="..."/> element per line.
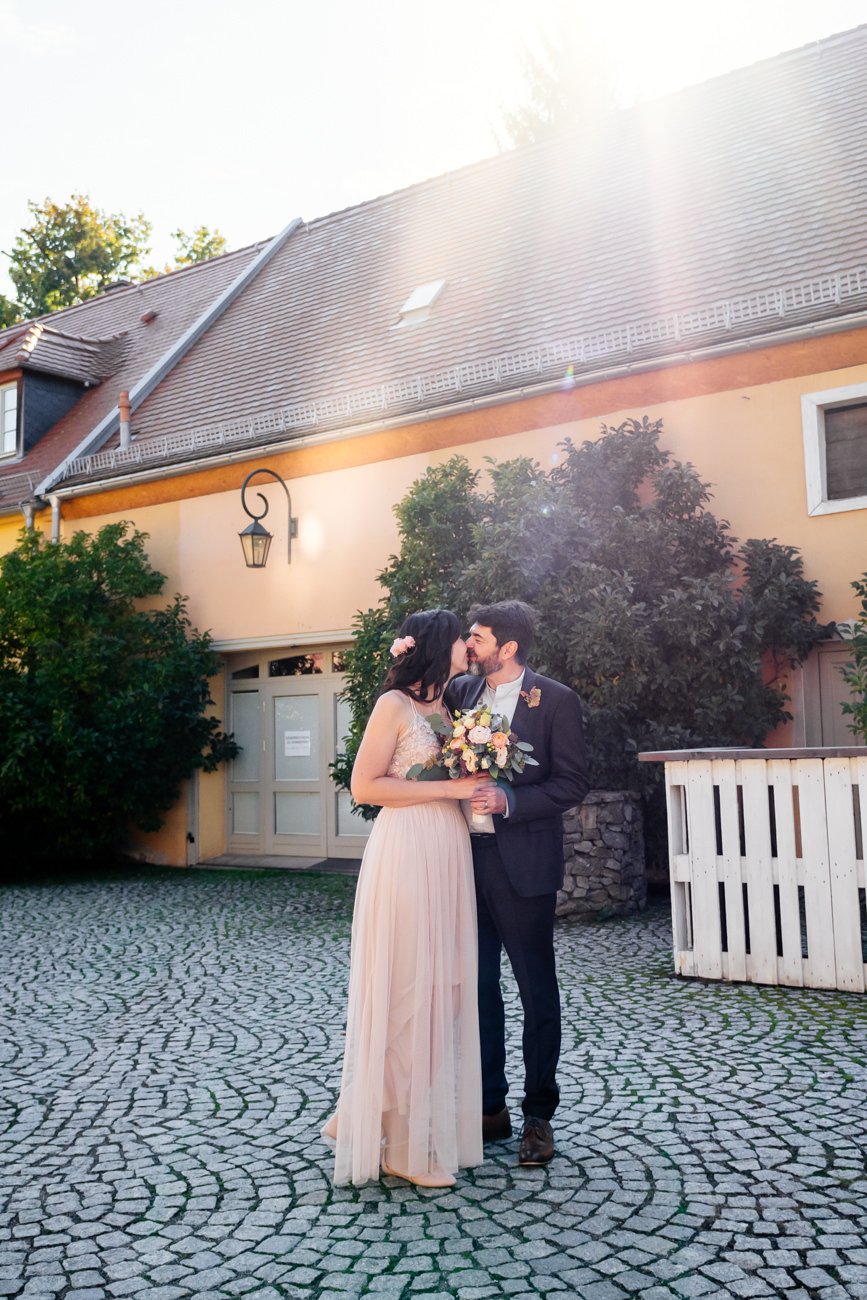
<point x="400" y="645"/>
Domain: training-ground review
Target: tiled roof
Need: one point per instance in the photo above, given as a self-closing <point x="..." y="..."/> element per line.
<point x="41" y="347"/>
<point x="176" y="299"/>
<point x="729" y="210"/>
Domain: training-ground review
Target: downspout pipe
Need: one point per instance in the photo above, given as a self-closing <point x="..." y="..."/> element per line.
<point x="55" y="517"/>
<point x="27" y="508"/>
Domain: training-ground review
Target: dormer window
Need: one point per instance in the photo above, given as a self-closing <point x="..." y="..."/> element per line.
<point x="418" y="304"/>
<point x="8" y="419"/>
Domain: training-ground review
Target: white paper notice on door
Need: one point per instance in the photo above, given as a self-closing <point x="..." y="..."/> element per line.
<point x="296" y="744"/>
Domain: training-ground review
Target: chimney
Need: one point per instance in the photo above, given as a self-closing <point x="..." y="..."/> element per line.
<point x="123" y="411"/>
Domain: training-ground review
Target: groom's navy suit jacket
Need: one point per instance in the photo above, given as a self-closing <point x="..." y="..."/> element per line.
<point x="530" y="839"/>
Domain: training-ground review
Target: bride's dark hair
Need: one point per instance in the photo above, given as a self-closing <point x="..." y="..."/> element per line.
<point x="429" y="661"/>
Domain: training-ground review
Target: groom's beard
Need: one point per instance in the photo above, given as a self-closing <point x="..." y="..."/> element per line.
<point x="484" y="667"/>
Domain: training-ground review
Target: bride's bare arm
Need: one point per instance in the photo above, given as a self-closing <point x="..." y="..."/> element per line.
<point x="370" y="784"/>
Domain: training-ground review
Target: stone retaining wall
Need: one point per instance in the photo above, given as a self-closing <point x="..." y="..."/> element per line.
<point x="604" y="850"/>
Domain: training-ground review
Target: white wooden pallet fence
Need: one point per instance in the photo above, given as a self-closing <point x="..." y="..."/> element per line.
<point x="766" y="858"/>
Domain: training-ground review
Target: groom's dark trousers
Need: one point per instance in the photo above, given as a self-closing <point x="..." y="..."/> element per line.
<point x="518" y="871"/>
<point x="525" y="928"/>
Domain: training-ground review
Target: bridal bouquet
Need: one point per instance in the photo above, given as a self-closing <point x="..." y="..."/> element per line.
<point x="475" y="741"/>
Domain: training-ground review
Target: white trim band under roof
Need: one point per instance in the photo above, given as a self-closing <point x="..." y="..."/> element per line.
<point x="240" y="645"/>
<point x="249" y="452"/>
<point x="521" y="367"/>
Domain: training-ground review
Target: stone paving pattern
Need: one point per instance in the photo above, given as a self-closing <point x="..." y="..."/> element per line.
<point x="170" y="1045"/>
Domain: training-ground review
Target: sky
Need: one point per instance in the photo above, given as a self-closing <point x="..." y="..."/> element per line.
<point x="242" y="116"/>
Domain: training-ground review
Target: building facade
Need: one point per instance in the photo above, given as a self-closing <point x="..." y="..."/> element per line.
<point x="704" y="262"/>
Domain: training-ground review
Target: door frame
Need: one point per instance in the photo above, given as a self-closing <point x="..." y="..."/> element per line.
<point x="326" y="683"/>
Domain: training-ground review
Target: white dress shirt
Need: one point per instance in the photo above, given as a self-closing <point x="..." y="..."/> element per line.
<point x="499" y="699"/>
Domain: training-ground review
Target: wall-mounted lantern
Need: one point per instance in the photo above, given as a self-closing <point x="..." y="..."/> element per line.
<point x="255" y="539"/>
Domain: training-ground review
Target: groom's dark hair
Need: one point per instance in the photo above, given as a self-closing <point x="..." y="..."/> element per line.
<point x="509" y="620"/>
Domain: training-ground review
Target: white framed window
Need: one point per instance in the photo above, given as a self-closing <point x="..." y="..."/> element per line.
<point x="835" y="449"/>
<point x="8" y="419"/>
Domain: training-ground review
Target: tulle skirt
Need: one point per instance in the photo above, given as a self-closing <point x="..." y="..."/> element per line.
<point x="411" y="1093"/>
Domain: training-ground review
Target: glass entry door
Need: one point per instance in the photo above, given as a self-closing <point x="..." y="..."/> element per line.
<point x="285" y="714"/>
<point x="297" y="784"/>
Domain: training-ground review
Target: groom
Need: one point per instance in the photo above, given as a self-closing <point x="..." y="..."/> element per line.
<point x="518" y="864"/>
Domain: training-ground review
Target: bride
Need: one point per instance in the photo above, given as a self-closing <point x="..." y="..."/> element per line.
<point x="410" y="1097"/>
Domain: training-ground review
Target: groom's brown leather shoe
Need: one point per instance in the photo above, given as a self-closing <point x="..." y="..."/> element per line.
<point x="537" y="1142"/>
<point x="496" y="1127"/>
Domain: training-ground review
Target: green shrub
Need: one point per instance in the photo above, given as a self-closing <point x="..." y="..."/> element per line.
<point x="673" y="634"/>
<point x="102" y="703"/>
<point x="855" y="674"/>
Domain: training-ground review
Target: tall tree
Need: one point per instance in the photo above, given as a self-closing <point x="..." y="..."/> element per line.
<point x="10" y="312"/>
<point x="198" y="245"/>
<point x="71" y="251"/>
<point x="566" y="86"/>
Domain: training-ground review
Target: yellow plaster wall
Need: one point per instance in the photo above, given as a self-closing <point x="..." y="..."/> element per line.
<point x="10" y="528"/>
<point x="737" y="419"/>
<point x="167" y="846"/>
<point x="346" y="530"/>
<point x="748" y="445"/>
<point x="212" y="788"/>
<point x="746" y="441"/>
<point x="212" y="814"/>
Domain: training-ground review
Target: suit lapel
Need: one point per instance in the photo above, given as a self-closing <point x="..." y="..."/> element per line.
<point x="471" y="692"/>
<point x="522" y="717"/>
<point x="525" y="722"/>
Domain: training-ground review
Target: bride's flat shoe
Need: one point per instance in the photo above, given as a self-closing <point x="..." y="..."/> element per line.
<point x="436" y="1177"/>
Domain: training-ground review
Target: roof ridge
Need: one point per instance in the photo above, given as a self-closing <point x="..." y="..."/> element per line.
<point x="184" y="270"/>
<point x="13" y="332"/>
<point x="580" y="132"/>
<point x="816" y="46"/>
<point x="30" y="338"/>
<point x="81" y="338"/>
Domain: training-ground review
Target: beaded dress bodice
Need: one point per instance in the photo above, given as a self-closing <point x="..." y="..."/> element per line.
<point x="417" y="744"/>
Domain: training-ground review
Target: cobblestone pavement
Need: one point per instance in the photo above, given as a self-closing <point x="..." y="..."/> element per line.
<point x="171" y="1043"/>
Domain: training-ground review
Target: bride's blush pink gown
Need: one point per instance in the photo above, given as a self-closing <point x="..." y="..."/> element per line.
<point x="411" y="1093"/>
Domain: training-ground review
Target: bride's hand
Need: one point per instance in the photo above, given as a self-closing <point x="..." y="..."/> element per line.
<point x="465" y="787"/>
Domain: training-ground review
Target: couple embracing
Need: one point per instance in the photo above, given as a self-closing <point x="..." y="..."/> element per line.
<point x="454" y="873"/>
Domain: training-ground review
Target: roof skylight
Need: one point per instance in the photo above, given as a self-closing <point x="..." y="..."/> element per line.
<point x="418" y="304"/>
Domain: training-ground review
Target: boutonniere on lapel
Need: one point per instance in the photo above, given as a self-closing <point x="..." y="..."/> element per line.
<point x="533" y="697"/>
